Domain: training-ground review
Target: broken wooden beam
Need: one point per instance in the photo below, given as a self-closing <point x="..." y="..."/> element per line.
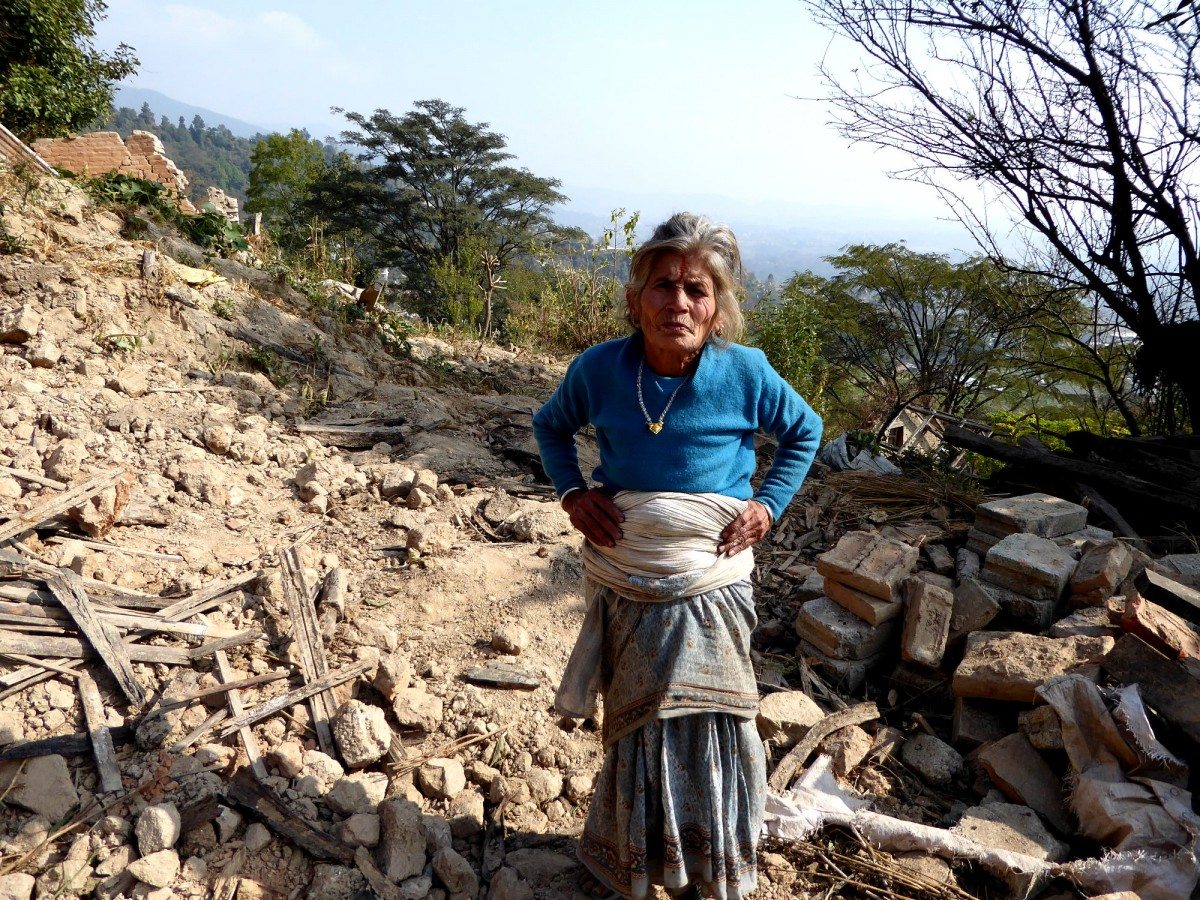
<point x="73" y="648"/>
<point x="306" y="632"/>
<point x="353" y="437"/>
<point x="102" y="743"/>
<point x="103" y="637"/>
<point x="62" y="745"/>
<point x="226" y="643"/>
<point x="59" y="504"/>
<point x="216" y="690"/>
<point x="34" y="478"/>
<point x="782" y="777"/>
<point x="330" y="680"/>
<point x="200" y="601"/>
<point x="264" y="804"/>
<point x="233" y="699"/>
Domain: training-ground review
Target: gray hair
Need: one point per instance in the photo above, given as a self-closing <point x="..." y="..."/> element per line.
<point x="689" y="234"/>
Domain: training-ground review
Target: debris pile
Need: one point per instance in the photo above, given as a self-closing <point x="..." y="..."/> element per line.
<point x="1065" y="677"/>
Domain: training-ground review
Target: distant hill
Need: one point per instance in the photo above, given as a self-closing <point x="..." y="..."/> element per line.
<point x="134" y="97"/>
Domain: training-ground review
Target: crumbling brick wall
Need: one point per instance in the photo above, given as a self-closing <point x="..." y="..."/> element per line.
<point x="103" y="151"/>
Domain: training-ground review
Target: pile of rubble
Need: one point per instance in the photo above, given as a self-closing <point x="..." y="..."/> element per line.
<point x="1058" y="647"/>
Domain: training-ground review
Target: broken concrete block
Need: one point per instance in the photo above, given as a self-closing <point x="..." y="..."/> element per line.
<point x="966" y="564"/>
<point x="1011" y="665"/>
<point x="1016" y="829"/>
<point x="1078" y="541"/>
<point x="868" y="608"/>
<point x="787" y="715"/>
<point x="846" y="675"/>
<point x="1100" y="570"/>
<point x="1020" y="772"/>
<point x="1091" y="621"/>
<point x="870" y="562"/>
<point x="1037" y="513"/>
<point x="1043" y="728"/>
<point x="926" y="622"/>
<point x="974" y="608"/>
<point x="1029" y="565"/>
<point x="933" y="759"/>
<point x="977" y="722"/>
<point x="839" y="633"/>
<point x="812" y="587"/>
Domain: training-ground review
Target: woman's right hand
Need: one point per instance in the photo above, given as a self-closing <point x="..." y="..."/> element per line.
<point x="594" y="514"/>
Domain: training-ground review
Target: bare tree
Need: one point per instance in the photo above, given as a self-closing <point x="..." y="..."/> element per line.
<point x="1080" y="115"/>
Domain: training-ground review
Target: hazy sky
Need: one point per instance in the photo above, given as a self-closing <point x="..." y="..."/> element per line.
<point x="688" y="99"/>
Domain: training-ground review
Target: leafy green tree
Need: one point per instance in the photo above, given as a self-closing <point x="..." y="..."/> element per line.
<point x="283" y="170"/>
<point x="52" y="81"/>
<point x="425" y="183"/>
<point x="787" y="327"/>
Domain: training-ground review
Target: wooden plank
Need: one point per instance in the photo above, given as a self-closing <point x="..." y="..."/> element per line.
<point x="108" y="547"/>
<point x="226" y="643"/>
<point x="260" y="801"/>
<point x="59" y="504"/>
<point x="200" y="731"/>
<point x="330" y="680"/>
<point x="376" y="880"/>
<point x="34" y="478"/>
<point x="781" y="778"/>
<point x="198" y="601"/>
<point x="73" y="648"/>
<point x="116" y="617"/>
<point x="218" y="689"/>
<point x="353" y="437"/>
<point x="306" y="632"/>
<point x="62" y="745"/>
<point x="44" y="664"/>
<point x="233" y="698"/>
<point x="102" y="636"/>
<point x="102" y="744"/>
<point x="1171" y="687"/>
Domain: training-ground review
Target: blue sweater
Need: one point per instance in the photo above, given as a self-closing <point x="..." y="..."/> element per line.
<point x="707" y="440"/>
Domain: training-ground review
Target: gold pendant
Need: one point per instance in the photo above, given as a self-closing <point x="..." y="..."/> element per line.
<point x="655" y="427"/>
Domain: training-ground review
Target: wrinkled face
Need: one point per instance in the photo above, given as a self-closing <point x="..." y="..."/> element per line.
<point x="678" y="306"/>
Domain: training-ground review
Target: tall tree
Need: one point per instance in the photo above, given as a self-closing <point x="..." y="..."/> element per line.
<point x="1080" y="114"/>
<point x="425" y="183"/>
<point x="52" y="81"/>
<point x="283" y="170"/>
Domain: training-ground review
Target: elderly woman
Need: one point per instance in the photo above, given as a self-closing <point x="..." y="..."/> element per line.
<point x="668" y="528"/>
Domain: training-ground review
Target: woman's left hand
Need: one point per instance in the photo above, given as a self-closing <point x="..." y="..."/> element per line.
<point x="746" y="530"/>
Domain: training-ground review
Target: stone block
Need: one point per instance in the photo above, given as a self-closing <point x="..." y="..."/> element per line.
<point x="980" y="543"/>
<point x="839" y="633"/>
<point x="1181" y="567"/>
<point x="1037" y="513"/>
<point x="933" y="759"/>
<point x="845" y="675"/>
<point x="1029" y="565"/>
<point x="1101" y="569"/>
<point x="940" y="558"/>
<point x="870" y="562"/>
<point x="1026" y="612"/>
<point x="19" y="325"/>
<point x="977" y="722"/>
<point x="1091" y="621"/>
<point x="966" y="564"/>
<point x="1019" y="771"/>
<point x="787" y="715"/>
<point x="974" y="608"/>
<point x="926" y="622"/>
<point x="1016" y="829"/>
<point x="1078" y="541"/>
<point x="1011" y="665"/>
<point x="1042" y="727"/>
<point x="868" y="608"/>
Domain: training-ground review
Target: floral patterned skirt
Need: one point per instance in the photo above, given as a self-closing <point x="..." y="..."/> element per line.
<point x="679" y="802"/>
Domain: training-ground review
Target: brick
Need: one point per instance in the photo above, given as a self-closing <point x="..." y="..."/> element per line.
<point x="977" y="722"/>
<point x="1042" y="727"/>
<point x="868" y="608"/>
<point x="874" y="564"/>
<point x="974" y="608"/>
<point x="966" y="564"/>
<point x="1036" y="513"/>
<point x="1078" y="541"/>
<point x="1171" y="686"/>
<point x="1029" y="565"/>
<point x="1101" y="569"/>
<point x="980" y="543"/>
<point x="1011" y="665"/>
<point x="839" y="633"/>
<point x="918" y="680"/>
<point x="926" y="622"/>
<point x="940" y="558"/>
<point x="1020" y="772"/>
<point x="1026" y="612"/>
<point x="844" y="675"/>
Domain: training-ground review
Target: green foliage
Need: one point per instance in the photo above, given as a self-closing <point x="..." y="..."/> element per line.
<point x="787" y="328"/>
<point x="580" y="300"/>
<point x="209" y="229"/>
<point x="283" y="168"/>
<point x="426" y="182"/>
<point x="267" y="361"/>
<point x="52" y="81"/>
<point x="9" y="242"/>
